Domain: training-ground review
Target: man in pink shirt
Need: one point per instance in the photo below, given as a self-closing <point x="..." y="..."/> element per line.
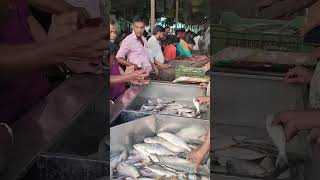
<point x="133" y="49"/>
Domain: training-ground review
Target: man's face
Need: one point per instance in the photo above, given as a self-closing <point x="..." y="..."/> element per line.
<point x="113" y="33"/>
<point x="161" y="35"/>
<point x="138" y="28"/>
<point x="167" y="31"/>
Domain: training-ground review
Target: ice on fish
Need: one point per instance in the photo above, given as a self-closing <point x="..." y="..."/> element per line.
<point x="163" y="142"/>
<point x="126" y="169"/>
<point x="278" y="137"/>
<point x="173" y="139"/>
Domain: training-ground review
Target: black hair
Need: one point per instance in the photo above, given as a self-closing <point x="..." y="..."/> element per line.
<point x="138" y="18"/>
<point x="113" y="21"/>
<point x="173" y="39"/>
<point x="167" y="27"/>
<point x="157" y="29"/>
<point x="191" y="41"/>
<point x="180" y="31"/>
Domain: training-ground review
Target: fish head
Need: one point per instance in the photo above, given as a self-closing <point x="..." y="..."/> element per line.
<point x="148" y="140"/>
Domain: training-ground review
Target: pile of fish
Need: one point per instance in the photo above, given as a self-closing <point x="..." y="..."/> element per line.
<point x="161" y="157"/>
<point x="248" y="157"/>
<point x="171" y="107"/>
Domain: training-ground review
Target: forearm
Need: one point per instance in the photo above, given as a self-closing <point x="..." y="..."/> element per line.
<point x="51" y="6"/>
<point x="120" y="79"/>
<point x="312" y="119"/>
<point x="205" y="147"/>
<point x="298" y="4"/>
<point x="31" y="56"/>
<point x="124" y="62"/>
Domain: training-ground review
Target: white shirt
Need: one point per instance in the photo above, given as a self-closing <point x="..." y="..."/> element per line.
<point x="196" y="40"/>
<point x="154" y="46"/>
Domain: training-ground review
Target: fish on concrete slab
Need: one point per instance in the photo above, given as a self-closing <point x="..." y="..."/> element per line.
<point x="126" y="169"/>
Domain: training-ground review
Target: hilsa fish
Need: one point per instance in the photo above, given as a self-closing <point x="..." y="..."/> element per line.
<point x="173" y="139"/>
<point x="278" y="137"/>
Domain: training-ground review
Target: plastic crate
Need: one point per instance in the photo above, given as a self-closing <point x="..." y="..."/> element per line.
<point x="189" y="72"/>
<point x="223" y="36"/>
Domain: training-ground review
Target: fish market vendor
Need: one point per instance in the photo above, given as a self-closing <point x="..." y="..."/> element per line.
<point x="133" y="49"/>
<point x="197" y="155"/>
<point x="296" y="121"/>
<point x="118" y="79"/>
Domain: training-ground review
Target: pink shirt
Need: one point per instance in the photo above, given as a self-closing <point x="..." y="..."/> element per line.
<point x="133" y="50"/>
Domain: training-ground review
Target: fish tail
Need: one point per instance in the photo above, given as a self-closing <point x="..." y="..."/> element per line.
<point x="281" y="160"/>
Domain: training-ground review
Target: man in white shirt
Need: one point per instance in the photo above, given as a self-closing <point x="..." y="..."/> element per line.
<point x="154" y="46"/>
<point x="196" y="40"/>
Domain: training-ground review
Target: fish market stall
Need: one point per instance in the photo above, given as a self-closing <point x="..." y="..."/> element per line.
<point x="136" y="99"/>
<point x="252" y="95"/>
<point x="163" y="138"/>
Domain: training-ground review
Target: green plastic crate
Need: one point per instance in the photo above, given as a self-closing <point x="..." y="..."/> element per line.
<point x="189" y="72"/>
<point x="223" y="36"/>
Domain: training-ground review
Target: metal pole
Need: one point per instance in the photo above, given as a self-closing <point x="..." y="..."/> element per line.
<point x="177" y="12"/>
<point x="152" y="14"/>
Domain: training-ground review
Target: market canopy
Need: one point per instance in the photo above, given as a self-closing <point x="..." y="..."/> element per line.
<point x="191" y="12"/>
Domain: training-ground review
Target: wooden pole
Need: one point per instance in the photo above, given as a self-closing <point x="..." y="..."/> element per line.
<point x="177" y="12"/>
<point x="153" y="14"/>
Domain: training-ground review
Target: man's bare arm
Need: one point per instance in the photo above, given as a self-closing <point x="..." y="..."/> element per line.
<point x="52" y="6"/>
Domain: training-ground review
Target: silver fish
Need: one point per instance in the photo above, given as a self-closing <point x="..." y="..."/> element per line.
<point x="240" y="153"/>
<point x="244" y="167"/>
<point x="145" y="178"/>
<point x="194" y="131"/>
<point x="126" y="169"/>
<point x="147" y="173"/>
<point x="278" y="137"/>
<point x="159" y="140"/>
<point x="182" y="165"/>
<point x="147" y="108"/>
<point x="124" y="155"/>
<point x="175" y="106"/>
<point x="154" y="149"/>
<point x="196" y="104"/>
<point x="188" y="115"/>
<point x="161" y="171"/>
<point x="192" y="177"/>
<point x="173" y="139"/>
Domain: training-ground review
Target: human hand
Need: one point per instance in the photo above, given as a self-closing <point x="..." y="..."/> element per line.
<point x="87" y="44"/>
<point x="203" y="100"/>
<point x="294" y="121"/>
<point x="299" y="74"/>
<point x="62" y="25"/>
<point x="314" y="136"/>
<point x="138" y="76"/>
<point x="79" y="67"/>
<point x="196" y="156"/>
<point x="203" y="86"/>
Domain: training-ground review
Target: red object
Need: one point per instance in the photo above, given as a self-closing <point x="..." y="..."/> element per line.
<point x="170" y="52"/>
